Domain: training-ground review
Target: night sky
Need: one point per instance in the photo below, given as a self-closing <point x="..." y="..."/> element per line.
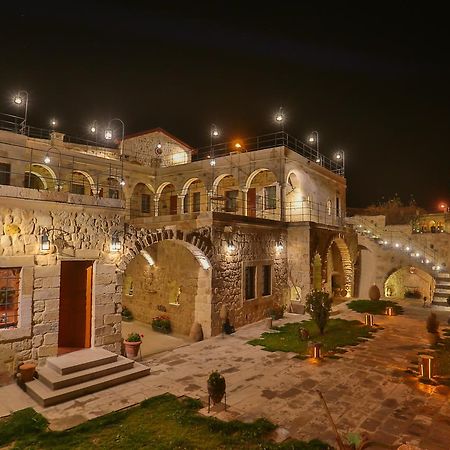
<point x="372" y="79"/>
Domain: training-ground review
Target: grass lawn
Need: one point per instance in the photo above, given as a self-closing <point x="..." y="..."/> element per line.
<point x="160" y="423"/>
<point x="338" y="333"/>
<point x="377" y="307"/>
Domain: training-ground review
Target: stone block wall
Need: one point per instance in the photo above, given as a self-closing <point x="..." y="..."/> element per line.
<point x="253" y="245"/>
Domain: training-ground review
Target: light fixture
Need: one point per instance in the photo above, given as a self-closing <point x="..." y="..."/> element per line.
<point x="53" y="122"/>
<point x="397" y="245"/>
<point x="237" y="145"/>
<point x="279" y="246"/>
<point x="427" y="261"/>
<point x="316" y="352"/>
<point x="438" y="268"/>
<point x="45" y="242"/>
<point x="338" y="156"/>
<point x="212" y="163"/>
<point x="230" y="246"/>
<point x="390" y="311"/>
<point x="158" y="145"/>
<point x="385" y="242"/>
<point x="108" y="134"/>
<point x="17" y="99"/>
<point x="47" y="159"/>
<point x="115" y="243"/>
<point x="279" y="117"/>
<point x="214" y="131"/>
<point x="93" y="128"/>
<point x="122" y="182"/>
<point x="311" y="139"/>
<point x="318" y="160"/>
<point x="417" y="254"/>
<point x="368" y="320"/>
<point x="426" y="366"/>
<point x="147" y="257"/>
<point x="407" y="248"/>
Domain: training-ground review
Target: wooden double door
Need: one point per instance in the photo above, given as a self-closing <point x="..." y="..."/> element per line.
<point x="75" y="306"/>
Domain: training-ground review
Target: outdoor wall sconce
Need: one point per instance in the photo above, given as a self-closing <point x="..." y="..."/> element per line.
<point x="116" y="245"/>
<point x="368" y="320"/>
<point x="390" y="311"/>
<point x="231" y="247"/>
<point x="45" y="242"/>
<point x="426" y="366"/>
<point x="279" y="246"/>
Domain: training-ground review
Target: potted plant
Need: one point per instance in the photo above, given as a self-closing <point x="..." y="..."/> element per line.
<point x="133" y="344"/>
<point x="433" y="329"/>
<point x="162" y="324"/>
<point x="216" y="386"/>
<point x="374" y="292"/>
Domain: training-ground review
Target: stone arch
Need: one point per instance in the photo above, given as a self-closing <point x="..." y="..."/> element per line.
<point x="141" y="201"/>
<point x="227" y="194"/>
<point x="347" y="263"/>
<point x="43" y="169"/>
<point x="29" y="182"/>
<point x="198" y="245"/>
<point x="263" y="194"/>
<point x="401" y="279"/>
<point x="218" y="179"/>
<point x="195" y="201"/>
<point x="88" y="177"/>
<point x="256" y="172"/>
<point x="163" y="199"/>
<point x="162" y="186"/>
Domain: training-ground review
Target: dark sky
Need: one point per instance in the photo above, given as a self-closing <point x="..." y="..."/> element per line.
<point x="373" y="79"/>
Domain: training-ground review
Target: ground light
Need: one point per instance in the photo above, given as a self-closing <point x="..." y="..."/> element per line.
<point x="115" y="243"/>
<point x="368" y="320"/>
<point x="390" y="311"/>
<point x="426" y="366"/>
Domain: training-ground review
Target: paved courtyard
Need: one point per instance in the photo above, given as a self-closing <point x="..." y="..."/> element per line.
<point x="366" y="389"/>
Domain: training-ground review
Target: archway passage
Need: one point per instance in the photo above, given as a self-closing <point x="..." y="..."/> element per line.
<point x="263" y="195"/>
<point x="141" y="201"/>
<point x="227" y="196"/>
<point x="168" y="279"/>
<point x="409" y="282"/>
<point x="339" y="269"/>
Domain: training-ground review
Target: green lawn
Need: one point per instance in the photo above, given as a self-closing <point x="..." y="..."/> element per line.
<point x="160" y="423"/>
<point x="338" y="333"/>
<point x="377" y="307"/>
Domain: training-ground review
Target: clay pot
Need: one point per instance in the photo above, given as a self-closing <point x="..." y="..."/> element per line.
<point x="132" y="348"/>
<point x="374" y="292"/>
<point x="216" y="391"/>
<point x="196" y="333"/>
<point x="27" y="371"/>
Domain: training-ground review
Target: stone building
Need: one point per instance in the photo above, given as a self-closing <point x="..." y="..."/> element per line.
<point x="161" y="228"/>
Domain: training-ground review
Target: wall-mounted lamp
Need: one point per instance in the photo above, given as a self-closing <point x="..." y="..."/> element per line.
<point x="230" y="246"/>
<point x="45" y="242"/>
<point x="279" y="246"/>
<point x="116" y="245"/>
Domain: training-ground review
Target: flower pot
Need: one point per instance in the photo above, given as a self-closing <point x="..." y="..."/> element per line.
<point x="132" y="349"/>
<point x="26" y="371"/>
<point x="216" y="391"/>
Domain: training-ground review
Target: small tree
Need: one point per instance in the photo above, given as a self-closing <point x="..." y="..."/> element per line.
<point x="318" y="306"/>
<point x="432" y="323"/>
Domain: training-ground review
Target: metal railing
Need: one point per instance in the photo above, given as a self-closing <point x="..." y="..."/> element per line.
<point x="399" y="241"/>
<point x="272" y="140"/>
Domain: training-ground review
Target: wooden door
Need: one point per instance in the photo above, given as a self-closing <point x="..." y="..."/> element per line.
<point x="75" y="305"/>
<point x="251" y="202"/>
<point x="173" y="204"/>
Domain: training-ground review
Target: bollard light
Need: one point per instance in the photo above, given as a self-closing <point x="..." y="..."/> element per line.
<point x="368" y="320"/>
<point x="426" y="366"/>
<point x="390" y="311"/>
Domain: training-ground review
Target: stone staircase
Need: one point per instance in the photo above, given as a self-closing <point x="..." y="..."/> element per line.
<point x="442" y="291"/>
<point x="82" y="372"/>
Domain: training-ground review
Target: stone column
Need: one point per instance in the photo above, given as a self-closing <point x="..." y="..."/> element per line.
<point x="180" y="204"/>
<point x="283" y="202"/>
<point x="156" y="200"/>
<point x="244" y="191"/>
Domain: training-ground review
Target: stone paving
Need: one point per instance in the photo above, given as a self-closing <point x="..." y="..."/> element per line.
<point x="366" y="389"/>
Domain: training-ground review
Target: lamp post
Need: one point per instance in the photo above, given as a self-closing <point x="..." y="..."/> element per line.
<point x="109" y="136"/>
<point x="19" y="99"/>
<point x="314" y="139"/>
<point x="444" y="207"/>
<point x="53" y="123"/>
<point x="340" y="156"/>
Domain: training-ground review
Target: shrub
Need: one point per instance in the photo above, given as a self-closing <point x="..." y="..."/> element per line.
<point x="135" y="337"/>
<point x="374" y="292"/>
<point x="161" y="323"/>
<point x="318" y="306"/>
<point x="276" y="312"/>
<point x="432" y="323"/>
<point x="127" y="315"/>
<point x="412" y="294"/>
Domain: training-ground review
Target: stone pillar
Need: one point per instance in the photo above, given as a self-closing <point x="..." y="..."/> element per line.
<point x="244" y="191"/>
<point x="156" y="200"/>
<point x="180" y="204"/>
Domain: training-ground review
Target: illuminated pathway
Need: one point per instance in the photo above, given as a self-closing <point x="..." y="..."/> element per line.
<point x="366" y="390"/>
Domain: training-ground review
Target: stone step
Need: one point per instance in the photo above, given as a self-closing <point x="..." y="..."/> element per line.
<point x="444" y="275"/>
<point x="47" y="397"/>
<point x="55" y="380"/>
<point x="80" y="360"/>
<point x="442" y="291"/>
<point x="442" y="283"/>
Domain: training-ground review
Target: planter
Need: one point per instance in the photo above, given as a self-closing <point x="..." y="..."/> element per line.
<point x="27" y="371"/>
<point x="216" y="391"/>
<point x="164" y="330"/>
<point x="132" y="348"/>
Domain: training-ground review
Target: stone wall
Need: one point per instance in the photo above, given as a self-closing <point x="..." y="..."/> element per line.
<point x="409" y="279"/>
<point x="76" y="233"/>
<point x="253" y="245"/>
<point x="169" y="287"/>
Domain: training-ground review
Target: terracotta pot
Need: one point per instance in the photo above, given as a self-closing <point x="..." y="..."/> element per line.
<point x="374" y="292"/>
<point x="27" y="371"/>
<point x="216" y="392"/>
<point x="132" y="348"/>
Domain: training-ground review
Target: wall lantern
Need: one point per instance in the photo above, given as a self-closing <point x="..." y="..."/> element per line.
<point x="426" y="366"/>
<point x="390" y="311"/>
<point x="368" y="320"/>
<point x="116" y="245"/>
<point x="45" y="242"/>
<point x="230" y="246"/>
<point x="279" y="246"/>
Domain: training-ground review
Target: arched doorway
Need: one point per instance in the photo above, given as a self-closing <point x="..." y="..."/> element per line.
<point x="82" y="183"/>
<point x="409" y="282"/>
<point x="195" y="196"/>
<point x="226" y="195"/>
<point x="167" y="200"/>
<point x="263" y="195"/>
<point x="339" y="269"/>
<point x="141" y="201"/>
<point x="171" y="278"/>
<point x="40" y="177"/>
